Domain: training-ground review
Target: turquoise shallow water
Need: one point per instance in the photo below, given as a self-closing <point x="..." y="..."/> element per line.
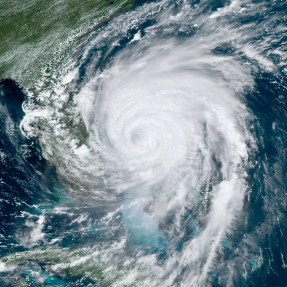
<point x="156" y="157"/>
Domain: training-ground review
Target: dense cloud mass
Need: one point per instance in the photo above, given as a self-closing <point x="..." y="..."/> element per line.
<point x="168" y="135"/>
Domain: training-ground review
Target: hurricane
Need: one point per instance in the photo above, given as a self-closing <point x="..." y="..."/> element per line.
<point x="154" y="155"/>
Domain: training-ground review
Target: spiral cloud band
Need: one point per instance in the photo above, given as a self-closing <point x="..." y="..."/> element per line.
<point x="155" y="126"/>
<point x="174" y="138"/>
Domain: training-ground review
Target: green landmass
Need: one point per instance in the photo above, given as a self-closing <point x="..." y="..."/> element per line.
<point x="38" y="36"/>
<point x="65" y="263"/>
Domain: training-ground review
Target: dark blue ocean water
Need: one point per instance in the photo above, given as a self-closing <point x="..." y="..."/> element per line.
<point x="31" y="186"/>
